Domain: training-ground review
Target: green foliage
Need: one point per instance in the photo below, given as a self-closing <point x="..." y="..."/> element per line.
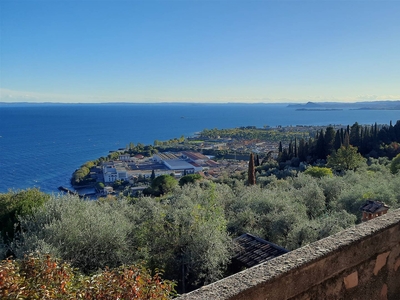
<point x="248" y="133"/>
<point x="90" y="235"/>
<point x="186" y="231"/>
<point x="345" y="158"/>
<point x="113" y="155"/>
<point x="81" y="175"/>
<point x="395" y="165"/>
<point x="191" y="178"/>
<point x="15" y="204"/>
<point x="318" y="172"/>
<point x="120" y="184"/>
<point x="38" y="277"/>
<point x="194" y="236"/>
<point x="163" y="184"/>
<point x="100" y="186"/>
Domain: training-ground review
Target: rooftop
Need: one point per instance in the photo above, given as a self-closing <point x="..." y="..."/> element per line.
<point x="253" y="250"/>
<point x="373" y="207"/>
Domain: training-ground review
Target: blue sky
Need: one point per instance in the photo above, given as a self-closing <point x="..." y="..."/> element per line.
<point x="199" y="51"/>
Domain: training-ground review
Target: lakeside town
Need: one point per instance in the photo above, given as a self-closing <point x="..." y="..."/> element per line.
<point x="130" y="170"/>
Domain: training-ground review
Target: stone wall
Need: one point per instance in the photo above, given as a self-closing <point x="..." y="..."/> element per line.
<point x="362" y="262"/>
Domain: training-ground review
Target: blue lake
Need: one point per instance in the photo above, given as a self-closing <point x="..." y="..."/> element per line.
<point x="42" y="144"/>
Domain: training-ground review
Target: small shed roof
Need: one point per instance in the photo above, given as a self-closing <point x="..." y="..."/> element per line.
<point x="373" y="207"/>
<point x="253" y="250"/>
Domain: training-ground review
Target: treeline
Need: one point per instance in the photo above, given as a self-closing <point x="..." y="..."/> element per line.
<point x="371" y="141"/>
<point x="252" y="133"/>
<point x="169" y="142"/>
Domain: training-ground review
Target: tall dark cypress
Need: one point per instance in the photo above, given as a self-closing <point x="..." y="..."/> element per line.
<point x="392" y="132"/>
<point x="320" y="149"/>
<point x="303" y="151"/>
<point x="329" y="140"/>
<point x="397" y="131"/>
<point x="355" y="135"/>
<point x="346" y="141"/>
<point x="342" y="135"/>
<point x="338" y="140"/>
<point x="252" y="171"/>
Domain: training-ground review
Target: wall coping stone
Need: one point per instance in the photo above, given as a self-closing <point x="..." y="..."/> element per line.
<point x="235" y="286"/>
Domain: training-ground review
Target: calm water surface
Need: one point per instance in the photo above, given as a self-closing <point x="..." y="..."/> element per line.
<point x="42" y="144"/>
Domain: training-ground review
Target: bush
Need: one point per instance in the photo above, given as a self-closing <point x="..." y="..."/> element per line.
<point x="318" y="172"/>
<point x="17" y="204"/>
<point x="38" y="277"/>
<point x="191" y="178"/>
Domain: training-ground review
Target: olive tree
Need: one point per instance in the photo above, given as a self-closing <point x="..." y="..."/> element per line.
<point x="88" y="234"/>
<point x="395" y="165"/>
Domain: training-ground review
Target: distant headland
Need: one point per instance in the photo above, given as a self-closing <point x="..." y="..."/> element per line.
<point x="364" y="105"/>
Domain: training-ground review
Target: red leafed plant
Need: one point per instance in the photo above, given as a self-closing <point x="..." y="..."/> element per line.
<point x="38" y="277"/>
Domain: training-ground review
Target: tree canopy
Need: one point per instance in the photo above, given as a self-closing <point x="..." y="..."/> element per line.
<point x="190" y="178"/>
<point x="318" y="172"/>
<point x="345" y="158"/>
<point x="395" y="165"/>
<point x="163" y="184"/>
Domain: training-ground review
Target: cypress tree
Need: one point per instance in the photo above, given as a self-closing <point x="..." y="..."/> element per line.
<point x="346" y="141"/>
<point x="341" y="136"/>
<point x="338" y="140"/>
<point x="252" y="171"/>
<point x="397" y="130"/>
<point x="311" y="147"/>
<point x="303" y="151"/>
<point x="320" y="149"/>
<point x="284" y="156"/>
<point x="392" y="132"/>
<point x="329" y="140"/>
<point x="355" y="135"/>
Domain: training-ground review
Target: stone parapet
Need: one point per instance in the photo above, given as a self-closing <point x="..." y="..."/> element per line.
<point x="362" y="262"/>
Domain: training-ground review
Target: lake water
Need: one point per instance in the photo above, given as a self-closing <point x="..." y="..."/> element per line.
<point x="42" y="144"/>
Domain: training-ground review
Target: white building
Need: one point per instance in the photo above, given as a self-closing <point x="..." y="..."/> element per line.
<point x="109" y="173"/>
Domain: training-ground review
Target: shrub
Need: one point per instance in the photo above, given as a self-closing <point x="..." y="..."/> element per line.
<point x="38" y="277"/>
<point x="318" y="172"/>
<point x="17" y="204"/>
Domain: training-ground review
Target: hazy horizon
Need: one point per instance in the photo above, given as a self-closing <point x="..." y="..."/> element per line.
<point x="220" y="103"/>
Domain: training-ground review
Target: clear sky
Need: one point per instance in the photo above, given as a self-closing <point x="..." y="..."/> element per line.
<point x="199" y="51"/>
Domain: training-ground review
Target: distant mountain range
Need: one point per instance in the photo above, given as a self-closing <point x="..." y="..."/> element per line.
<point x="370" y="105"/>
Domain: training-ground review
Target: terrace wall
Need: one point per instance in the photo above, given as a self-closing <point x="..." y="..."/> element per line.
<point x="362" y="262"/>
